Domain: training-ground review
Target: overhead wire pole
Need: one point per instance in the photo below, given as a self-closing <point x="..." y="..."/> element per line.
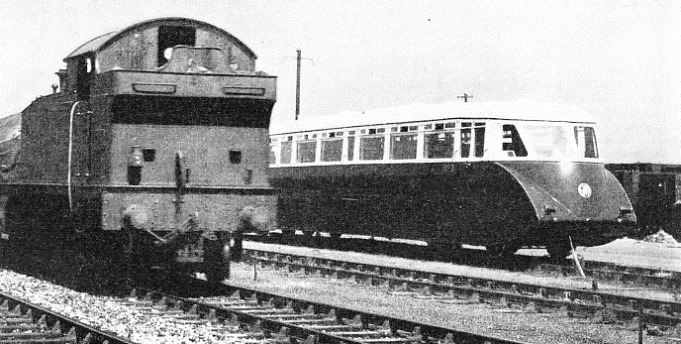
<point x="299" y="60"/>
<point x="465" y="97"/>
<point x="298" y="85"/>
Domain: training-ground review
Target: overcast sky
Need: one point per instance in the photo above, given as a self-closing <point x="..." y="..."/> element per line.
<point x="620" y="60"/>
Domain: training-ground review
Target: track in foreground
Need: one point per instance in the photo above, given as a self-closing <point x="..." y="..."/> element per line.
<point x="23" y="322"/>
<point x="294" y="320"/>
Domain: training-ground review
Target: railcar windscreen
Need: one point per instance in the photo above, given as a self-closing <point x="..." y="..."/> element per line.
<point x="558" y="141"/>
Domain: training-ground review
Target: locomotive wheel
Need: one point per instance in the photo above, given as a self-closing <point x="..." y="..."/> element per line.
<point x="558" y="250"/>
<point x="216" y="260"/>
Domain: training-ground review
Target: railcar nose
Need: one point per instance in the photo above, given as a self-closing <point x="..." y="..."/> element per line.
<point x="572" y="192"/>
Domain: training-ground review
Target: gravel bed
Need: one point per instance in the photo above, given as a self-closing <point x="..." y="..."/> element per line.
<point x="105" y="313"/>
<point x="514" y="323"/>
<point x="630" y="252"/>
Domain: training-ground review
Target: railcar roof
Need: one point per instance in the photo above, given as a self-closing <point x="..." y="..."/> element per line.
<point x="521" y="110"/>
<point x="103" y="41"/>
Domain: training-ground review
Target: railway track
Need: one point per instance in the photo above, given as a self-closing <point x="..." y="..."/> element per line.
<point x="597" y="270"/>
<point x="23" y="322"/>
<point x="261" y="315"/>
<point x="576" y="302"/>
<point x="619" y="273"/>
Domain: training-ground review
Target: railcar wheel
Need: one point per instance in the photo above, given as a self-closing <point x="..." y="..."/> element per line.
<point x="500" y="250"/>
<point x="558" y="250"/>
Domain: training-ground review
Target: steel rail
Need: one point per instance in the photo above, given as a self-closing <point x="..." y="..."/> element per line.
<point x="628" y="275"/>
<point x="31" y="317"/>
<point x="577" y="301"/>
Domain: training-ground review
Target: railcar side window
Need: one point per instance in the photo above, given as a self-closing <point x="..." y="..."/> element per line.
<point x="286" y="149"/>
<point x="332" y="150"/>
<point x="371" y="148"/>
<point x="439" y="145"/>
<point x="466" y="136"/>
<point x="306" y="151"/>
<point x="512" y="144"/>
<point x="403" y="146"/>
<point x="479" y="139"/>
<point x="586" y="141"/>
<point x="351" y="146"/>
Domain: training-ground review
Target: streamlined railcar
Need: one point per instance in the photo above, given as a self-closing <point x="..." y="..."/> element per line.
<point x="153" y="143"/>
<point x="498" y="174"/>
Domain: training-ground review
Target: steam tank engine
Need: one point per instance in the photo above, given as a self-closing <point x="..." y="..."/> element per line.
<point x="156" y="142"/>
<point x="501" y="174"/>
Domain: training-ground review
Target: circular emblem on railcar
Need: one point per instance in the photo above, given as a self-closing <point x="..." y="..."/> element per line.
<point x="584" y="190"/>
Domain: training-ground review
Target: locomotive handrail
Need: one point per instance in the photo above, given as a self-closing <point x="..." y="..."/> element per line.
<point x="69" y="183"/>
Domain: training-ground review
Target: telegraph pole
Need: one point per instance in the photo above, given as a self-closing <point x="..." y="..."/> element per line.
<point x="298" y="86"/>
<point x="465" y="97"/>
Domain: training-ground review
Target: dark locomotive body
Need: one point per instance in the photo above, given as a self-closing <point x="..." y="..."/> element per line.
<point x="655" y="192"/>
<point x="157" y="140"/>
<point x="493" y="195"/>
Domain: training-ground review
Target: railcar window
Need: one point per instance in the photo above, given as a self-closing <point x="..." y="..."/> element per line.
<point x="371" y="148"/>
<point x="403" y="146"/>
<point x="512" y="143"/>
<point x="351" y="146"/>
<point x="465" y="140"/>
<point x="306" y="151"/>
<point x="286" y="149"/>
<point x="479" y="139"/>
<point x="332" y="150"/>
<point x="586" y="141"/>
<point x="439" y="145"/>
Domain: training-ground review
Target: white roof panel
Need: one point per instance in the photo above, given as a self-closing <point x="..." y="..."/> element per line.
<point x="521" y="110"/>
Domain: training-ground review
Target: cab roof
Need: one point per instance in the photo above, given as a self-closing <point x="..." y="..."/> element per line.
<point x="98" y="43"/>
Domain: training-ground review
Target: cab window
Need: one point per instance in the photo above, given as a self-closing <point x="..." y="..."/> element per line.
<point x="512" y="144"/>
<point x="586" y="141"/>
